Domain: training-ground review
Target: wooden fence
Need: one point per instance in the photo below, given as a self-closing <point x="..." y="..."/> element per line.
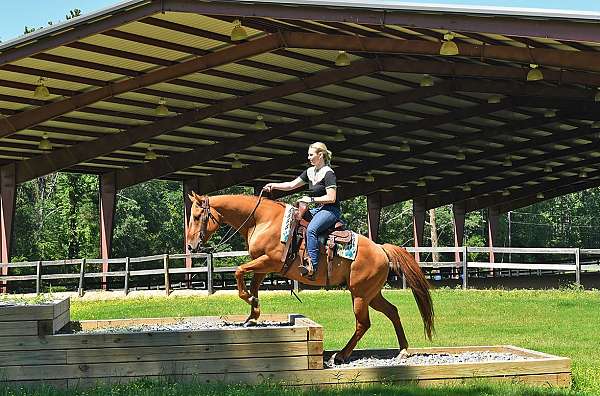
<point x="569" y="260"/>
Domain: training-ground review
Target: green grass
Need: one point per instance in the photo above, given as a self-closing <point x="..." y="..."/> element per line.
<point x="564" y="323"/>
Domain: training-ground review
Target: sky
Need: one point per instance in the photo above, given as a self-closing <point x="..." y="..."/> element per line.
<point x="16" y="14"/>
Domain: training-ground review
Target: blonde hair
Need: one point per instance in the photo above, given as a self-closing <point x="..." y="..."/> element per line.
<point x="320" y="147"/>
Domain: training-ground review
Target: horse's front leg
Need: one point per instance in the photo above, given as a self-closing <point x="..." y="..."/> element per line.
<point x="254" y="303"/>
<point x="260" y="266"/>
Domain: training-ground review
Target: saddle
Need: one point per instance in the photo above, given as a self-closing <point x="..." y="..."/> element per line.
<point x="336" y="234"/>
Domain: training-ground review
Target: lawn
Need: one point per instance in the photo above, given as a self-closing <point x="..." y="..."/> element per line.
<point x="564" y="323"/>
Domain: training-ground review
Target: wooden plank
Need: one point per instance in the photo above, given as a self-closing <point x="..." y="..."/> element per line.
<point x="187" y="352"/>
<point x="224" y="336"/>
<point x="59" y="384"/>
<point x="60" y="322"/>
<point x="31" y="358"/>
<point x="26" y="312"/>
<point x="315" y="330"/>
<point x="524" y="266"/>
<point x="62" y="307"/>
<point x="315" y="347"/>
<point x="163" y="367"/>
<point x="315" y="362"/>
<point x="19" y="328"/>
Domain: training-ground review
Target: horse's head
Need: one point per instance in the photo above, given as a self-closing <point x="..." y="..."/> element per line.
<point x="204" y="221"/>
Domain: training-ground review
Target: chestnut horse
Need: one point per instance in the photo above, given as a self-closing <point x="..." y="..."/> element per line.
<point x="259" y="222"/>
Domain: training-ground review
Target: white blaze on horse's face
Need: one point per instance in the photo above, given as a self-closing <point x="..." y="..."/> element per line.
<point x="193" y="232"/>
<point x="204" y="221"/>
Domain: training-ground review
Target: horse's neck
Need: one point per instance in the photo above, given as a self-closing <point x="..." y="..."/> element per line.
<point x="236" y="209"/>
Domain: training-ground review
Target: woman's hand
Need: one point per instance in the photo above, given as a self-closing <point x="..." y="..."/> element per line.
<point x="268" y="187"/>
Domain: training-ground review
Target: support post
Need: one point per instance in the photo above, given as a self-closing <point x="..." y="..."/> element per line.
<point x="81" y="288"/>
<point x="126" y="286"/>
<point x="465" y="268"/>
<point x="492" y="232"/>
<point x="577" y="266"/>
<point x="458" y="211"/>
<point x="38" y="278"/>
<point x="209" y="274"/>
<point x="189" y="186"/>
<point x="167" y="282"/>
<point x="108" y="197"/>
<point x="374" y="215"/>
<point x="8" y="187"/>
<point x="418" y="224"/>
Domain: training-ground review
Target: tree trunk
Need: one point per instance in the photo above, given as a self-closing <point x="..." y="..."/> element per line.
<point x="434" y="235"/>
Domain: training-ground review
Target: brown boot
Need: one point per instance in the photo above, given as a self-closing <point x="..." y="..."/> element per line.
<point x="307" y="269"/>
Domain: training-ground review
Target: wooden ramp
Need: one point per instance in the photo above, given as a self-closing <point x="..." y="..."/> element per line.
<point x="32" y="352"/>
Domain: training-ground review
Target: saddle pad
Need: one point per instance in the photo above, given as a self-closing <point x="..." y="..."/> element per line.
<point x="286" y="224"/>
<point x="348" y="250"/>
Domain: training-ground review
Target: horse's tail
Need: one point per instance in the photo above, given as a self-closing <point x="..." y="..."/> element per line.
<point x="403" y="262"/>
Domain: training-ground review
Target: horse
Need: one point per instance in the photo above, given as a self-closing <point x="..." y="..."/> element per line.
<point x="259" y="221"/>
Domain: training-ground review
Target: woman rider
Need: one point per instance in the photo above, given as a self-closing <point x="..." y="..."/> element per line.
<point x="322" y="192"/>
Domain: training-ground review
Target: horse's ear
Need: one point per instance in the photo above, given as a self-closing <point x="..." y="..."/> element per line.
<point x="191" y="197"/>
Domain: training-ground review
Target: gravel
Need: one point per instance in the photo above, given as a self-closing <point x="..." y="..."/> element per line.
<point x="433" y="359"/>
<point x="23" y="302"/>
<point x="183" y="325"/>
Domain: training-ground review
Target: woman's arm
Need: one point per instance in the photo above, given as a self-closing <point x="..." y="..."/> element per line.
<point x="285" y="186"/>
<point x="328" y="198"/>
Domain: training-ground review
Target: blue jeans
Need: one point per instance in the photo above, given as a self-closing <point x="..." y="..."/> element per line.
<point x="324" y="217"/>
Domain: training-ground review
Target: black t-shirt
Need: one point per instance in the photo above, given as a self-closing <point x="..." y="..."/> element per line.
<point x="319" y="181"/>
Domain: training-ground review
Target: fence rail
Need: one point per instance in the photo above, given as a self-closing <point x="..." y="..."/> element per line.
<point x="573" y="256"/>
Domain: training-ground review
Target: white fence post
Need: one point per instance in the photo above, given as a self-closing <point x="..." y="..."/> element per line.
<point x="577" y="267"/>
<point x="465" y="268"/>
<point x="209" y="274"/>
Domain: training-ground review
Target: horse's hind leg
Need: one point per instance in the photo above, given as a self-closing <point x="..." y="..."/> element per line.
<point x="254" y="303"/>
<point x="382" y="305"/>
<point x="361" y="312"/>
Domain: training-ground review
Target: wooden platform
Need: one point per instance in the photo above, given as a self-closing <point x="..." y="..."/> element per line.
<point x="291" y="354"/>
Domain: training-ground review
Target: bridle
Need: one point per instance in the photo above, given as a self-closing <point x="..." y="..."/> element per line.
<point x="206" y="215"/>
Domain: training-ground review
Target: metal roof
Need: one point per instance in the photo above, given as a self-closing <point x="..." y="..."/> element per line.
<point x="480" y="135"/>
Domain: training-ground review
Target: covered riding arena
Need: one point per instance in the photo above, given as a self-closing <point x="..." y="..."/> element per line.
<point x="478" y="108"/>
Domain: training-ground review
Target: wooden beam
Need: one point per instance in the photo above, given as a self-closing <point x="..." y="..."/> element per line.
<point x="108" y="201"/>
<point x="458" y="216"/>
<point x="492" y="226"/>
<point x="418" y="224"/>
<point x="8" y="188"/>
<point x="373" y="216"/>
<point x="35" y="116"/>
<point x="199" y="155"/>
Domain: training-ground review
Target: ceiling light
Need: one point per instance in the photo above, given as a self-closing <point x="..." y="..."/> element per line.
<point x="150" y="154"/>
<point x="342" y="59"/>
<point x="238" y="33"/>
<point x="260" y="123"/>
<point x="369" y="178"/>
<point x="460" y="156"/>
<point x="404" y="146"/>
<point x="421" y="183"/>
<point x="534" y="73"/>
<point x="45" y="144"/>
<point x="466" y="188"/>
<point x="539" y="195"/>
<point x="161" y="110"/>
<point x="547" y="169"/>
<point x="339" y="136"/>
<point x="596" y="125"/>
<point x="236" y="164"/>
<point x="494" y="99"/>
<point x="426" y="81"/>
<point x="597" y="96"/>
<point x="583" y="174"/>
<point x="505" y="193"/>
<point x="448" y="47"/>
<point x="549" y="113"/>
<point x="41" y="91"/>
<point x="507" y="161"/>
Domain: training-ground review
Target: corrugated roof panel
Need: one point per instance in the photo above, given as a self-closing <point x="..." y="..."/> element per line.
<point x="74" y="127"/>
<point x="102" y="59"/>
<point x="349" y="93"/>
<point x="205" y="78"/>
<point x="253" y="72"/>
<point x="204" y="22"/>
<point x="69" y="70"/>
<point x="49" y="82"/>
<point x="136" y="48"/>
<point x="201" y="93"/>
<point x="323" y="55"/>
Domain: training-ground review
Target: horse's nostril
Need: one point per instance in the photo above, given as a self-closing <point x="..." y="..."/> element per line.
<point x="190" y="248"/>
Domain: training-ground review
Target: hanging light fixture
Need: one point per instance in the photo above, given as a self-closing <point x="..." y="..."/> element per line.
<point x="494" y="99"/>
<point x="539" y="195"/>
<point x="161" y="110"/>
<point x="448" y="47"/>
<point x="150" y="154"/>
<point x="597" y="96"/>
<point x="547" y="169"/>
<point x="260" y="124"/>
<point x="236" y="164"/>
<point x="596" y="125"/>
<point x="507" y="161"/>
<point x="238" y="33"/>
<point x="505" y="193"/>
<point x="460" y="155"/>
<point x="466" y="188"/>
<point x="404" y="147"/>
<point x="339" y="136"/>
<point x="534" y="73"/>
<point x="41" y="91"/>
<point x="583" y="174"/>
<point x="45" y="143"/>
<point x="426" y="81"/>
<point x="421" y="183"/>
<point x="369" y="178"/>
<point x="342" y="59"/>
<point x="549" y="113"/>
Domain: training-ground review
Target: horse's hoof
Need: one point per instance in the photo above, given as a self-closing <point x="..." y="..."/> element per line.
<point x="250" y="323"/>
<point x="335" y="360"/>
<point x="403" y="354"/>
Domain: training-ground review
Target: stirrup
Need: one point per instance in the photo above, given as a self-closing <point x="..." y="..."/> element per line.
<point x="307" y="269"/>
